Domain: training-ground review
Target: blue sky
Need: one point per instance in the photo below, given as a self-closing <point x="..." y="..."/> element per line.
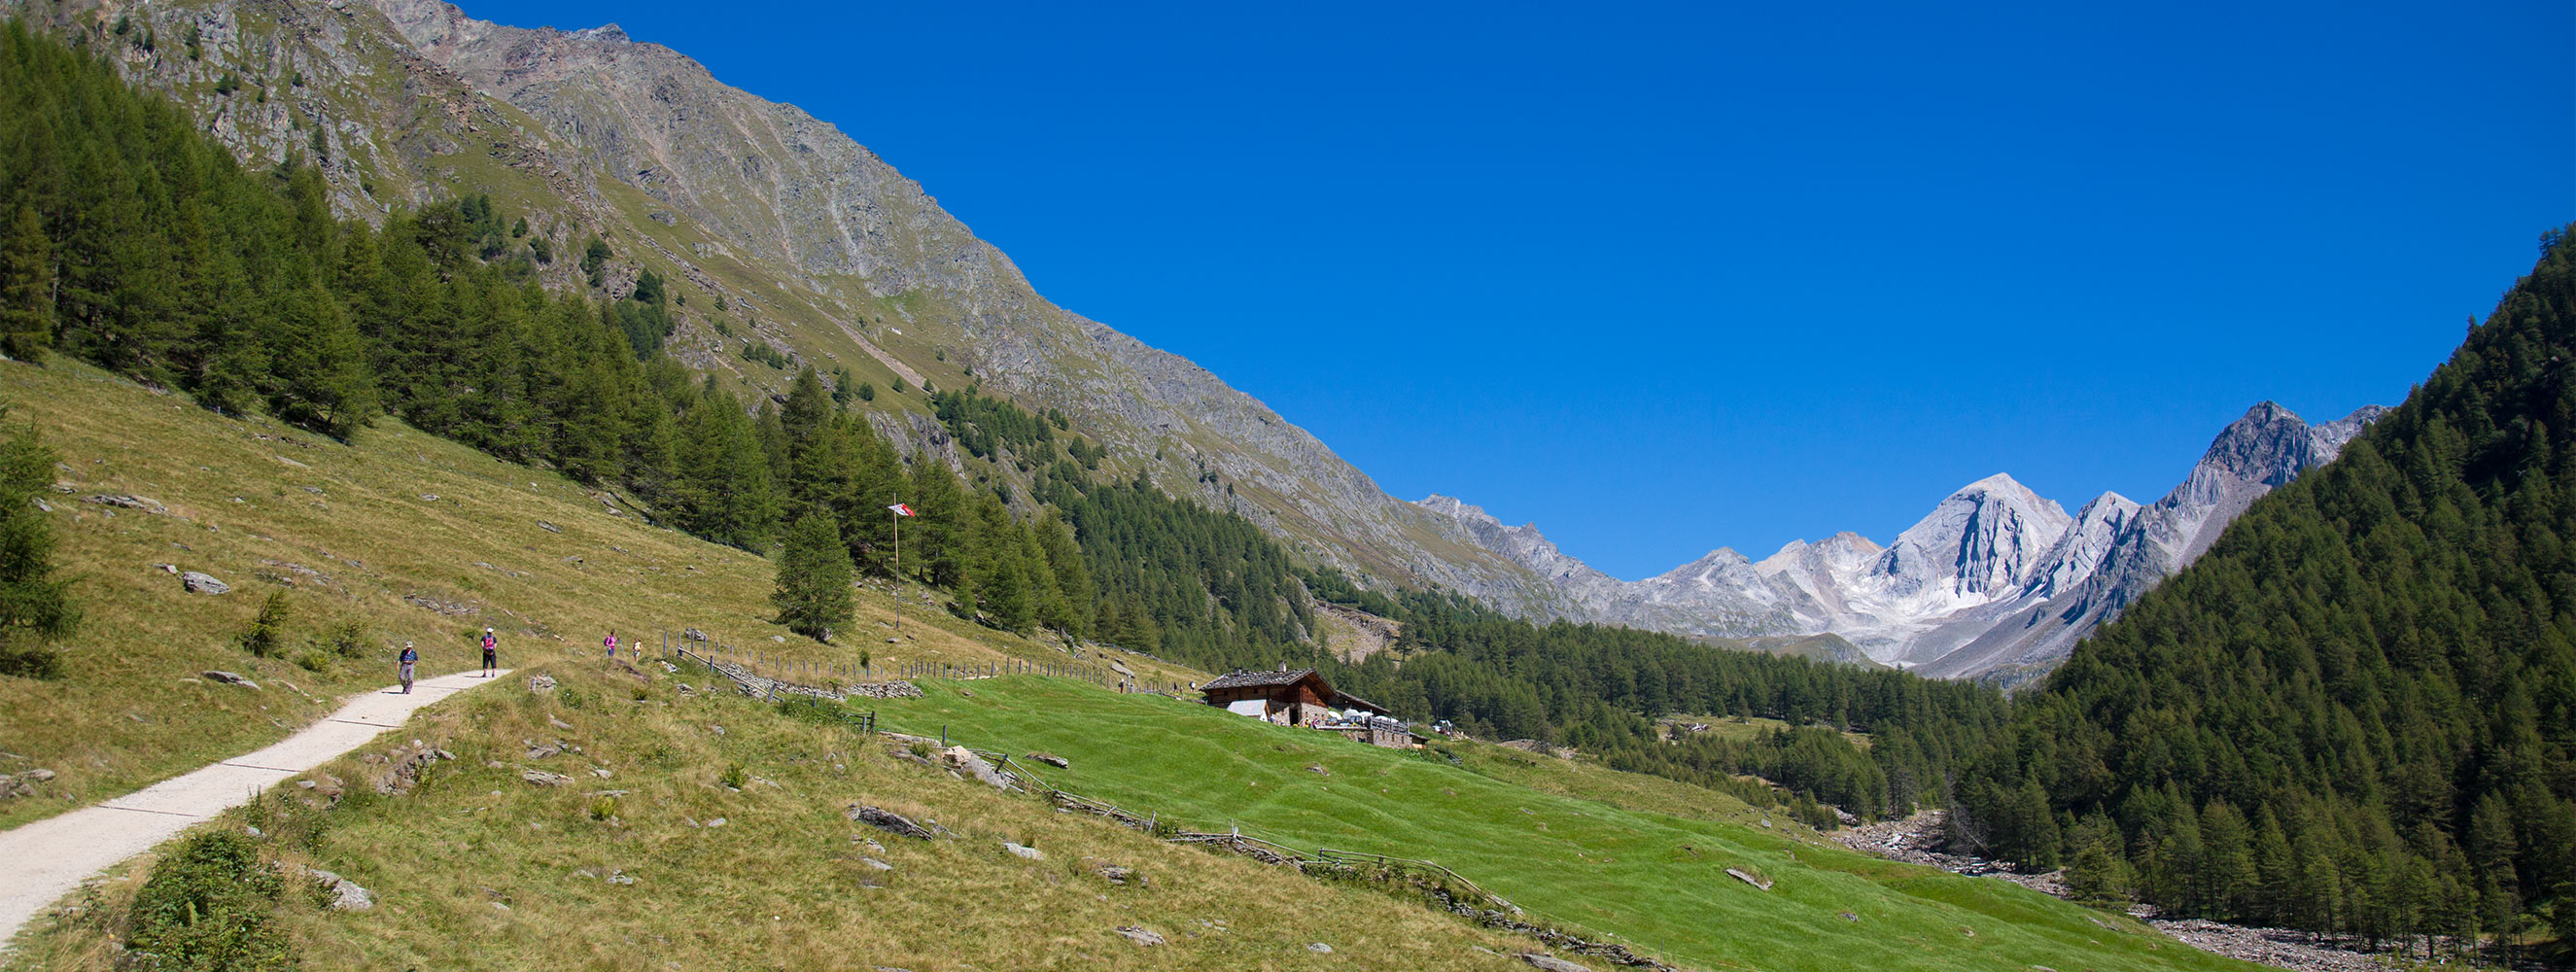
<point x="1668" y="278"/>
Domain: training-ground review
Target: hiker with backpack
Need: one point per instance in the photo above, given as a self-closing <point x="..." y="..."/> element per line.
<point x="409" y="658"/>
<point x="491" y="647"/>
<point x="611" y="643"/>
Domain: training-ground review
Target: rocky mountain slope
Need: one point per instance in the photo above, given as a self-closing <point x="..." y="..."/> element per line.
<point x="2256" y="454"/>
<point x="787" y="232"/>
<point x="1995" y="582"/>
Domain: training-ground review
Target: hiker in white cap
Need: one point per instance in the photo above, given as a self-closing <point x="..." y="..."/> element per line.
<point x="408" y="658"/>
<point x="490" y="646"/>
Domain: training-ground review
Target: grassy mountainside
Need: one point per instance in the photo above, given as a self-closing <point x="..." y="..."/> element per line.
<point x="352" y="536"/>
<point x="1655" y="880"/>
<point x="441" y="855"/>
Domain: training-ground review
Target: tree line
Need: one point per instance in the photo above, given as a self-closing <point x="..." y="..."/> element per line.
<point x="2357" y="712"/>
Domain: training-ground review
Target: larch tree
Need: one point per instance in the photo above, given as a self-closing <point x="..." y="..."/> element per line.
<point x="813" y="595"/>
<point x="35" y="603"/>
<point x="26" y="287"/>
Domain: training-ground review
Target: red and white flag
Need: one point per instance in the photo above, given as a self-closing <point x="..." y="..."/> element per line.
<point x="901" y="510"/>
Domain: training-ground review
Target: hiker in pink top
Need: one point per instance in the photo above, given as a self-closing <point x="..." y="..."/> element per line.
<point x="611" y="642"/>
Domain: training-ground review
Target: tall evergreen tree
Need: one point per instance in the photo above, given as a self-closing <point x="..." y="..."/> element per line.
<point x="938" y="537"/>
<point x="722" y="491"/>
<point x="813" y="595"/>
<point x="35" y="603"/>
<point x="320" y="365"/>
<point x="26" y="287"/>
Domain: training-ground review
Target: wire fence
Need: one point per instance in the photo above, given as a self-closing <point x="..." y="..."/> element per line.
<point x="817" y="673"/>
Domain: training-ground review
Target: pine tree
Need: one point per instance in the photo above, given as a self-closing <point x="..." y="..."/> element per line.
<point x="876" y="481"/>
<point x="939" y="537"/>
<point x="2276" y="871"/>
<point x="1067" y="608"/>
<point x="35" y="604"/>
<point x="813" y="594"/>
<point x="26" y="288"/>
<point x="1005" y="591"/>
<point x="808" y="408"/>
<point x="722" y="490"/>
<point x="2228" y="876"/>
<point x="323" y="379"/>
<point x="773" y="444"/>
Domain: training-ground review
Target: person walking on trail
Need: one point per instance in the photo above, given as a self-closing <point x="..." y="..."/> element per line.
<point x="611" y="643"/>
<point x="491" y="648"/>
<point x="403" y="671"/>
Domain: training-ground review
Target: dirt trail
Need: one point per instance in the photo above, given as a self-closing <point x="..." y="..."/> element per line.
<point x="49" y="858"/>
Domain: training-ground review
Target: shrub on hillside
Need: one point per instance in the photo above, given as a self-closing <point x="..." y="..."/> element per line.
<point x="269" y="627"/>
<point x="208" y="907"/>
<point x="346" y="638"/>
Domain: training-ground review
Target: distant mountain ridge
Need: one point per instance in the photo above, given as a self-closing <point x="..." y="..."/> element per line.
<point x="1997" y="582"/>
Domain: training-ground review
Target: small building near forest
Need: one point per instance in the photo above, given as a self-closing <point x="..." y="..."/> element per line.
<point x="1301" y="697"/>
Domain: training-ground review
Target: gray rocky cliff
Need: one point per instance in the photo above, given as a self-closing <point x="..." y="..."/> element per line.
<point x="2268" y="447"/>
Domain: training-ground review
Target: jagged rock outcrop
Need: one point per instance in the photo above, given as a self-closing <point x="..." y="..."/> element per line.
<point x="2254" y="455"/>
<point x="1996" y="582"/>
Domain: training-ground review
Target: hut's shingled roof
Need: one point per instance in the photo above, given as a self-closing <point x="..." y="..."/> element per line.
<point x="1263" y="679"/>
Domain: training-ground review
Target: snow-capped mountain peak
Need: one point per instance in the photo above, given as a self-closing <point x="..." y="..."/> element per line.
<point x="1995" y="577"/>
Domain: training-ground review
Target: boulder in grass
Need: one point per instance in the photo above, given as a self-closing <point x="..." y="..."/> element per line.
<point x="1052" y="759"/>
<point x="543" y="778"/>
<point x="1144" y="936"/>
<point x="1119" y="874"/>
<point x="145" y="503"/>
<point x="966" y="761"/>
<point x="229" y="678"/>
<point x="888" y="821"/>
<point x="199" y="583"/>
<point x="1024" y="850"/>
<point x="346" y="895"/>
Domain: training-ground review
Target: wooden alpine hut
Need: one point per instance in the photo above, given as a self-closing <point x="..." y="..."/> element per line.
<point x="1301" y="697"/>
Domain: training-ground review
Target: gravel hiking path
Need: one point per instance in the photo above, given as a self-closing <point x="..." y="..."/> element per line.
<point x="49" y="858"/>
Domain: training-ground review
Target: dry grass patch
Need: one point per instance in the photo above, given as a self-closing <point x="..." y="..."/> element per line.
<point x="475" y="868"/>
<point x="401" y="536"/>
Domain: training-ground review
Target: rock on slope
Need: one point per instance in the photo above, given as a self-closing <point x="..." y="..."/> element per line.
<point x="1996" y="581"/>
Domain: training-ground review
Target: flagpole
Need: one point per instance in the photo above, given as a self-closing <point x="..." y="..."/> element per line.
<point x="898" y="571"/>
